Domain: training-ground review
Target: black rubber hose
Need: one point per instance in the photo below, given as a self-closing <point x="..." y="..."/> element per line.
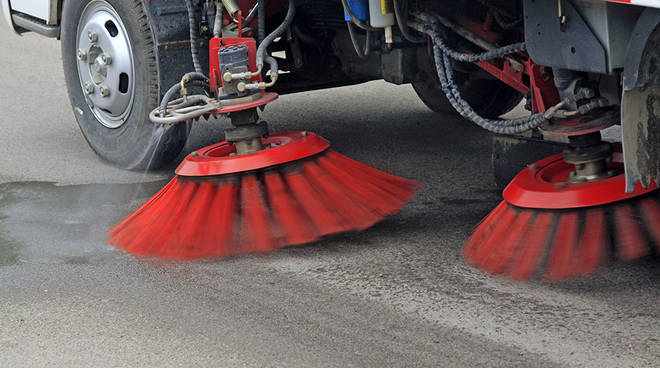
<point x="274" y="69"/>
<point x="177" y="87"/>
<point x="472" y="58"/>
<point x="195" y="80"/>
<point x="500" y="126"/>
<point x="441" y="54"/>
<point x="401" y="21"/>
<point x="193" y="36"/>
<point x="356" y="46"/>
<point x="288" y="19"/>
<point x="261" y="24"/>
<point x="353" y="18"/>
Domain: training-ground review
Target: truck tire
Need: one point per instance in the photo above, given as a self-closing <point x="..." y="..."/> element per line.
<point x="109" y="61"/>
<point x="489" y="98"/>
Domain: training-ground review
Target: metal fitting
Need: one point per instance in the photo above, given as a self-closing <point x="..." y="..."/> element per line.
<point x="106" y="58"/>
<point x="92" y="36"/>
<point x="242" y="86"/>
<point x="232" y="7"/>
<point x="82" y="55"/>
<point x="228" y="76"/>
<point x="89" y="88"/>
<point x="105" y="91"/>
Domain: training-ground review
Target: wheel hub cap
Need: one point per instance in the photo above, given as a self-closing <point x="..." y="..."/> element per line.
<point x="105" y="63"/>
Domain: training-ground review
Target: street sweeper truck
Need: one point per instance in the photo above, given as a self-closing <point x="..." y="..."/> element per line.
<point x="140" y="72"/>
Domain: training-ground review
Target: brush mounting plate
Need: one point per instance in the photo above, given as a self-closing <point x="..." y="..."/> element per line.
<point x="280" y="148"/>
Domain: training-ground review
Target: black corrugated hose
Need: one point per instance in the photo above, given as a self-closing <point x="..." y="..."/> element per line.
<point x="442" y="53"/>
<point x="194" y="79"/>
<point x="193" y="36"/>
<point x="261" y="50"/>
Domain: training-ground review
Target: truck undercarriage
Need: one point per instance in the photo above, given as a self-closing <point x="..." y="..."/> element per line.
<point x="581" y="66"/>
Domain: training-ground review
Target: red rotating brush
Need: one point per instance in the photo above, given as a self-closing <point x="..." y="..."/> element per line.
<point x="291" y="193"/>
<point x="563" y="230"/>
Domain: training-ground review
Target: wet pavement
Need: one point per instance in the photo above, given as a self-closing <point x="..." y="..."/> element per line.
<point x="395" y="295"/>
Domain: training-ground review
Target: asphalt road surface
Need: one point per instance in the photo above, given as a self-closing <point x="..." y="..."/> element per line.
<point x="395" y="295"/>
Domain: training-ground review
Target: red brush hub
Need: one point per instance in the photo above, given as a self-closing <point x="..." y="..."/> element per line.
<point x="221" y="158"/>
<point x="545" y="184"/>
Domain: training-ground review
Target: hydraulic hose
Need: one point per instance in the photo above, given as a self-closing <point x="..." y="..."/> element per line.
<point x="190" y="79"/>
<point x="193" y="36"/>
<point x="354" y="19"/>
<point x="273" y="70"/>
<point x="217" y="22"/>
<point x="401" y="21"/>
<point x="288" y="19"/>
<point x="442" y="54"/>
<point x="351" y="32"/>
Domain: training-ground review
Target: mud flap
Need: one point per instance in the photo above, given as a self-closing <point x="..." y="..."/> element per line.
<point x="640" y="117"/>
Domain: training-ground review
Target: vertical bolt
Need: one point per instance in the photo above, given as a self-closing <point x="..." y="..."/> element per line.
<point x="89" y="88"/>
<point x="105" y="92"/>
<point x="82" y="55"/>
<point x="106" y="58"/>
<point x="92" y="36"/>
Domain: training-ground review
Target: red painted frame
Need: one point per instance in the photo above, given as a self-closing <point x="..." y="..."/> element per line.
<point x="215" y="44"/>
<point x="531" y="80"/>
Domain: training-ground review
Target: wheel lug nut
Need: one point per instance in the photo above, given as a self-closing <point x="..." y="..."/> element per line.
<point x="105" y="92"/>
<point x="82" y="55"/>
<point x="89" y="88"/>
<point x="92" y="36"/>
<point x="106" y="58"/>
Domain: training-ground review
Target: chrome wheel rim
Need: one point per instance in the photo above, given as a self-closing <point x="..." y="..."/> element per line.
<point x="106" y="66"/>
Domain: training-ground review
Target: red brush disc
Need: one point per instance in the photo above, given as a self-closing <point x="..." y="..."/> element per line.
<point x="544" y="184"/>
<point x="221" y="158"/>
<point x="292" y="193"/>
<point x="560" y="229"/>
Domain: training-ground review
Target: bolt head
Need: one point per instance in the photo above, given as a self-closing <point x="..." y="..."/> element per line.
<point x="89" y="88"/>
<point x="82" y="55"/>
<point x="92" y="36"/>
<point x="106" y="59"/>
<point x="105" y="91"/>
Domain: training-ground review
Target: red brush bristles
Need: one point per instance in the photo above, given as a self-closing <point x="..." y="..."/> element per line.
<point x="261" y="210"/>
<point x="561" y="244"/>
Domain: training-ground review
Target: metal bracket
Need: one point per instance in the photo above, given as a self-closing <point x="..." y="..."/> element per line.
<point x="569" y="45"/>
